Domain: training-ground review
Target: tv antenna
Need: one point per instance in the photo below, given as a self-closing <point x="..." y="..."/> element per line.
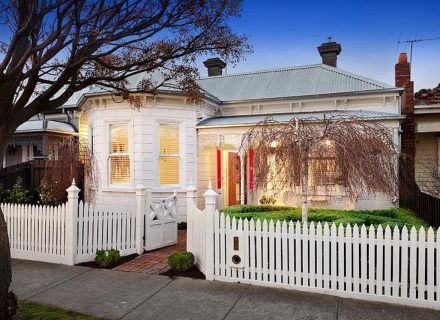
<point x="413" y="41"/>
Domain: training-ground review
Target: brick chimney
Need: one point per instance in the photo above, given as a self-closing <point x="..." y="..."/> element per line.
<point x="215" y="66"/>
<point x="329" y="52"/>
<point x="403" y="80"/>
<point x="408" y="137"/>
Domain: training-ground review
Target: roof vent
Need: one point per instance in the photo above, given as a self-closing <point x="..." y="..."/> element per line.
<point x="215" y="66"/>
<point x="329" y="52"/>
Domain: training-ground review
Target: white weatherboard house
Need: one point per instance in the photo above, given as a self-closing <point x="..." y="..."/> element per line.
<point x="167" y="143"/>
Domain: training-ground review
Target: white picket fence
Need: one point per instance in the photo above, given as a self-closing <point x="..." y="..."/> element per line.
<point x="105" y="227"/>
<point x="398" y="266"/>
<point x="36" y="232"/>
<point x="73" y="232"/>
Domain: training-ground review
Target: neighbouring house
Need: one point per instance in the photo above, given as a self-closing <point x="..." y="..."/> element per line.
<point x="36" y="141"/>
<point x="427" y="157"/>
<point x="166" y="142"/>
<point x="420" y="130"/>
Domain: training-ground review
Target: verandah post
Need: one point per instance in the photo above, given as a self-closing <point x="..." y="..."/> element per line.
<point x="72" y="223"/>
<point x="210" y="208"/>
<point x="140" y="219"/>
<point x="191" y="191"/>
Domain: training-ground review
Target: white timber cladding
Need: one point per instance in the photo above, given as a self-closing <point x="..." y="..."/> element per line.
<point x="200" y="165"/>
<point x="388" y="103"/>
<point x="334" y="197"/>
<point x="143" y="148"/>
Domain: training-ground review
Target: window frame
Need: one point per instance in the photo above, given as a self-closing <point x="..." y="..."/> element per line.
<point x="438" y="156"/>
<point x="109" y="123"/>
<point x="180" y="155"/>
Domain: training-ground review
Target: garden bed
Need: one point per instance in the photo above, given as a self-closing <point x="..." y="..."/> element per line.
<point x="392" y="217"/>
<point x="191" y="273"/>
<point x="122" y="260"/>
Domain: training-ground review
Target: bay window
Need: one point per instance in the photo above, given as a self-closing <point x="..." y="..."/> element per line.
<point x="169" y="154"/>
<point x="119" y="158"/>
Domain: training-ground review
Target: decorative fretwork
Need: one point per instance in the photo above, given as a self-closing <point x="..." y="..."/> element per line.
<point x="163" y="208"/>
<point x="219" y="141"/>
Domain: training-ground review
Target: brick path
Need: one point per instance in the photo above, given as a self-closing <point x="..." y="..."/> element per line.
<point x="154" y="262"/>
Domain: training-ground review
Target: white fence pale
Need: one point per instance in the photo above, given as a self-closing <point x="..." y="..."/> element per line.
<point x="73" y="232"/>
<point x="391" y="265"/>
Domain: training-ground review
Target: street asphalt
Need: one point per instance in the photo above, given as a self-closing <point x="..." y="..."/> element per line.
<point x="128" y="295"/>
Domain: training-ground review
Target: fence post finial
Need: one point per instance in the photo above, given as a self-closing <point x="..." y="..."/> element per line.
<point x="73" y="182"/>
<point x="140" y="213"/>
<point x="72" y="223"/>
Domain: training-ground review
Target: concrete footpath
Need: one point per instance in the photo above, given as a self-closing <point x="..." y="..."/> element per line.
<point x="128" y="295"/>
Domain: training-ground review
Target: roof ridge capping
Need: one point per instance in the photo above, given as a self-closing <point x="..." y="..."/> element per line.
<point x="340" y="71"/>
<point x="261" y="71"/>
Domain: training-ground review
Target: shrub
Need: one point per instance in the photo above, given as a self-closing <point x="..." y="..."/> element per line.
<point x="4" y="194"/>
<point x="46" y="195"/>
<point x="181" y="261"/>
<point x="267" y="200"/>
<point x="392" y="217"/>
<point x="18" y="194"/>
<point x="107" y="258"/>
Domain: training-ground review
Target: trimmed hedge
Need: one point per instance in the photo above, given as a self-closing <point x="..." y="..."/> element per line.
<point x="181" y="261"/>
<point x="107" y="258"/>
<point x="392" y="217"/>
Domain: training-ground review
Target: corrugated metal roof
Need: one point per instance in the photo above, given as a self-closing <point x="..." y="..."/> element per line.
<point x="300" y="81"/>
<point x="284" y="117"/>
<point x="40" y="126"/>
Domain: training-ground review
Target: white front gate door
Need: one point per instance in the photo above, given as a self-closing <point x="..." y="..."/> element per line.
<point x="161" y="223"/>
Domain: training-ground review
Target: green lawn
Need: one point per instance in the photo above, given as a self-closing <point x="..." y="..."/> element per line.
<point x="392" y="217"/>
<point x="34" y="311"/>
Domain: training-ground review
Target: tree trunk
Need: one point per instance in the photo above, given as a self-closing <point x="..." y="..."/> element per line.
<point x="304" y="187"/>
<point x="5" y="253"/>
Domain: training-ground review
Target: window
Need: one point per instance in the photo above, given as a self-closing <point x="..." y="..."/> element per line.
<point x="323" y="165"/>
<point x="322" y="171"/>
<point x="118" y="153"/>
<point x="169" y="154"/>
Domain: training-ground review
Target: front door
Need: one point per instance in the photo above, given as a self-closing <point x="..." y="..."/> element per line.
<point x="233" y="178"/>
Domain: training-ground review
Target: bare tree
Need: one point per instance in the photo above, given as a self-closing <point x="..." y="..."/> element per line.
<point x="58" y="47"/>
<point x="360" y="152"/>
<point x="74" y="160"/>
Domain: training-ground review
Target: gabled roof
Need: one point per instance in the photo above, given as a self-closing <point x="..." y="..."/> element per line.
<point x="302" y="81"/>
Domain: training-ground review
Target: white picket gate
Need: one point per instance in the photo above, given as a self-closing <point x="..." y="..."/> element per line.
<point x="73" y="232"/>
<point x="398" y="266"/>
<point x="161" y="222"/>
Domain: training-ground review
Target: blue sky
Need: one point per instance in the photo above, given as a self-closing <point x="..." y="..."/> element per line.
<point x="286" y="33"/>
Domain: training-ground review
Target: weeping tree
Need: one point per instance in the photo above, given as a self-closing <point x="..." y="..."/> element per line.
<point x="361" y="153"/>
<point x="51" y="49"/>
<point x="74" y="160"/>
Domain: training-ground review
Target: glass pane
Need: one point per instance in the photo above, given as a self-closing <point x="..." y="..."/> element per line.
<point x="169" y="170"/>
<point x="120" y="169"/>
<point x="168" y="138"/>
<point x="119" y="138"/>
